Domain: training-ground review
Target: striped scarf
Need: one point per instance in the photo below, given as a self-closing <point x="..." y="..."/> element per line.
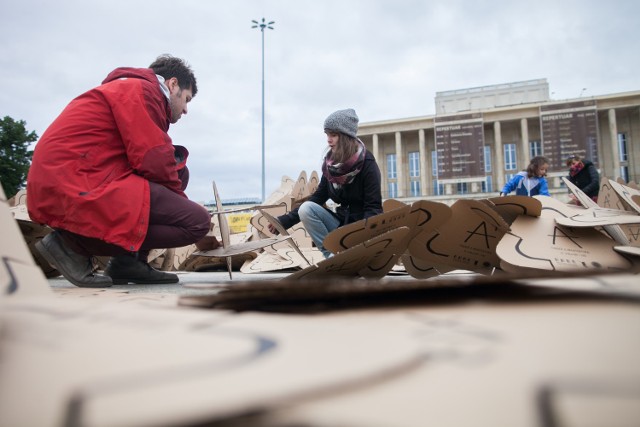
<point x="340" y="174"/>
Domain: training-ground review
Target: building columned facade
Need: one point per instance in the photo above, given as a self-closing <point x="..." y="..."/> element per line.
<point x="471" y="153"/>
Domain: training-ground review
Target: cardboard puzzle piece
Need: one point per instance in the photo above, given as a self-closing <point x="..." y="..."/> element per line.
<point x="313" y="255"/>
<point x="353" y="234"/>
<point x="355" y="261"/>
<point x="19" y="275"/>
<point x="580" y="196"/>
<point x="554" y="208"/>
<point x="282" y="232"/>
<point x="314" y="182"/>
<point x="268" y="261"/>
<point x="181" y="367"/>
<point x="466" y="241"/>
<point x="628" y="250"/>
<point x="630" y="196"/>
<point x="509" y="207"/>
<point x="300" y="189"/>
<point x="542" y="244"/>
<point x="31" y="231"/>
<point x="594" y="217"/>
<point x="609" y="198"/>
<point x="612" y="228"/>
<point x="420" y="269"/>
<point x="228" y="250"/>
<point x="284" y="191"/>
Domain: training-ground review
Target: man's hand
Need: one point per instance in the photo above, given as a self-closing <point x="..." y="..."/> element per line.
<point x="272" y="229"/>
<point x="208" y="243"/>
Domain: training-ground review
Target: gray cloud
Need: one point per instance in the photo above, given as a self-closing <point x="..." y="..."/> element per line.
<point x="386" y="59"/>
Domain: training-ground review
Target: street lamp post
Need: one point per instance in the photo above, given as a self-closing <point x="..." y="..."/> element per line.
<point x="262" y="25"/>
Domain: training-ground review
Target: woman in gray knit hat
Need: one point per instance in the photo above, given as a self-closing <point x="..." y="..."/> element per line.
<point x="350" y="177"/>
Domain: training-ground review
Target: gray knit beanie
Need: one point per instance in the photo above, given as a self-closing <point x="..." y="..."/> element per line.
<point x="343" y="121"/>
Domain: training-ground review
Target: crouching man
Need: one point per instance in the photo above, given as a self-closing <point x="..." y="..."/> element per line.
<point x="107" y="178"/>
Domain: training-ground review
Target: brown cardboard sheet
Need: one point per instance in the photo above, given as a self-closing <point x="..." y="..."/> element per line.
<point x="466" y="241"/>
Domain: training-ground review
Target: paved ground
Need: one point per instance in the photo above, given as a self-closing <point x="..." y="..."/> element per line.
<point x="187" y="278"/>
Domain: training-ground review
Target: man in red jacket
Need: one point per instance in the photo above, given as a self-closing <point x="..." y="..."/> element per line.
<point x="107" y="178"/>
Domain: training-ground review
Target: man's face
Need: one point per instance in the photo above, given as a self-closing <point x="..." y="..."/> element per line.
<point x="178" y="99"/>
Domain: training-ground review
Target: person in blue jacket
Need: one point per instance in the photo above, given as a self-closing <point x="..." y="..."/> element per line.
<point x="531" y="182"/>
<point x="350" y="178"/>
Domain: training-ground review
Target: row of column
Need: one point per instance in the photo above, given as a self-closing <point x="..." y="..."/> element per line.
<point x="498" y="154"/>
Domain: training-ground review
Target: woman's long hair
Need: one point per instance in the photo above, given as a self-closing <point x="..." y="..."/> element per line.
<point x="344" y="149"/>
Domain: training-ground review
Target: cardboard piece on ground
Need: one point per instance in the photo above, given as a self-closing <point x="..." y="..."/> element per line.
<point x="211" y="263"/>
<point x="466" y="241"/>
<point x="275" y="223"/>
<point x="19" y="275"/>
<point x="112" y="365"/>
<point x="241" y="248"/>
<point x="268" y="261"/>
<point x="312" y="254"/>
<point x="31" y="231"/>
<point x="228" y="250"/>
<point x="507" y="364"/>
<point x="356" y="260"/>
<point x="540" y="243"/>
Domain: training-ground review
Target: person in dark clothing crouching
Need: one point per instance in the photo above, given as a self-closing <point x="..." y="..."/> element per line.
<point x="584" y="175"/>
<point x="350" y="178"/>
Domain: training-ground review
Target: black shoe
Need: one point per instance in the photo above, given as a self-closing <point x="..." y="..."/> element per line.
<point x="125" y="269"/>
<point x="76" y="268"/>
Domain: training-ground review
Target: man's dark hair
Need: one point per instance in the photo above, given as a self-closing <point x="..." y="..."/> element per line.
<point x="169" y="66"/>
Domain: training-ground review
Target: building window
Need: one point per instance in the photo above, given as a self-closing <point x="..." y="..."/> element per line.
<point x="487" y="158"/>
<point x="392" y="189"/>
<point x="414" y="164"/>
<point x="624" y="173"/>
<point x="438" y="189"/>
<point x="434" y="163"/>
<point x="462" y="188"/>
<point x="622" y="147"/>
<point x="487" y="185"/>
<point x="510" y="162"/>
<point x="415" y="188"/>
<point x="535" y="149"/>
<point x="391" y="166"/>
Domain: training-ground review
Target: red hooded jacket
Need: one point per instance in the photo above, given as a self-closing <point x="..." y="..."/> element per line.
<point x="91" y="168"/>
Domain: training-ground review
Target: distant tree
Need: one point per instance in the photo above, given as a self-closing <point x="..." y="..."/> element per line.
<point x="15" y="156"/>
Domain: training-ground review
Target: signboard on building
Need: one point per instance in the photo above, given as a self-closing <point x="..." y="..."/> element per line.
<point x="569" y="129"/>
<point x="460" y="148"/>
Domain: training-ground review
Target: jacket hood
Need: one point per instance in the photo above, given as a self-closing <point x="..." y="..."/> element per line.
<point x="133" y="73"/>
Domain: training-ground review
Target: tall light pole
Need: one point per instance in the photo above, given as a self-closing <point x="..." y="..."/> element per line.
<point x="262" y="25"/>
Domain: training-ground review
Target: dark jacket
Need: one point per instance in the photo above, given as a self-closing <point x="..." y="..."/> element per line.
<point x="587" y="179"/>
<point x="358" y="200"/>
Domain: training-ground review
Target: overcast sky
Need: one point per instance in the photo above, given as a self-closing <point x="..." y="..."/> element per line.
<point x="384" y="58"/>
